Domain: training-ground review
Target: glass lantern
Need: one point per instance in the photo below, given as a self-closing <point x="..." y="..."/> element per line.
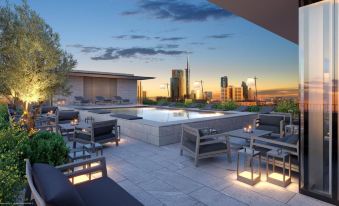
<point x="275" y="177"/>
<point x="250" y="171"/>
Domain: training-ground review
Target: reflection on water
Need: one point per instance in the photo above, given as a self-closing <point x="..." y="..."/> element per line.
<point x="164" y="115"/>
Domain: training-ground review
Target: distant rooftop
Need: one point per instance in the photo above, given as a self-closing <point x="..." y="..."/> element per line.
<point x="84" y="73"/>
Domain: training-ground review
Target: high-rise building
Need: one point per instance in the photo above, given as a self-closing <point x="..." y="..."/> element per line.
<point x="237" y="94"/>
<point x="208" y="95"/>
<point x="177" y="84"/>
<point x="245" y="90"/>
<point x="223" y="85"/>
<point x="187" y="78"/>
<point x="232" y="93"/>
<point x="224" y="82"/>
<point x="144" y="95"/>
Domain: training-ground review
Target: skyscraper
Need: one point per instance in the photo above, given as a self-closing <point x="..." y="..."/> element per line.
<point x="224" y="82"/>
<point x="245" y="90"/>
<point x="187" y="78"/>
<point x="177" y="84"/>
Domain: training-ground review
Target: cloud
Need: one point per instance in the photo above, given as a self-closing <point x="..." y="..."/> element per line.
<point x="131" y="37"/>
<point x="167" y="46"/>
<point x="220" y="36"/>
<point x="177" y="10"/>
<point x="86" y="49"/>
<point x="114" y="53"/>
<point x="172" y="38"/>
<point x="197" y="43"/>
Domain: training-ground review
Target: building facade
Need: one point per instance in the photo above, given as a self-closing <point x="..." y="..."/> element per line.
<point x="177" y="85"/>
<point x="89" y="84"/>
<point x="232" y="93"/>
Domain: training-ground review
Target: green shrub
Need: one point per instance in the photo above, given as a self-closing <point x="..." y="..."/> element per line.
<point x="287" y="106"/>
<point x="162" y="102"/>
<point x="227" y="106"/>
<point x="149" y="102"/>
<point x="253" y="108"/>
<point x="47" y="147"/>
<point x="14" y="148"/>
<point x="4" y="117"/>
<point x="180" y="104"/>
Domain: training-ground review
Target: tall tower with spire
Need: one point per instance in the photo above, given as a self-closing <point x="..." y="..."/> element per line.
<point x="187" y="77"/>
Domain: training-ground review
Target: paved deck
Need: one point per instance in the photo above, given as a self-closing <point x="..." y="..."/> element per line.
<point x="160" y="176"/>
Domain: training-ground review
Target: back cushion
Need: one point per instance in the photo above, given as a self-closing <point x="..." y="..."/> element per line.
<point x="270" y="120"/>
<point x="54" y="187"/>
<point x="101" y="128"/>
<point x="68" y="115"/>
<point x="46" y="109"/>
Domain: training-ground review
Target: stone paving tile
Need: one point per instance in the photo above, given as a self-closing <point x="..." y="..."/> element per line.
<point x="180" y="182"/>
<point x="140" y="194"/>
<point x="160" y="176"/>
<point x="209" y="196"/>
<point x="167" y="194"/>
<point x="204" y="178"/>
<point x="244" y="194"/>
<point x="300" y="199"/>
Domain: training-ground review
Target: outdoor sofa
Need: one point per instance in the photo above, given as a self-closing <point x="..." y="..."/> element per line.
<point x="81" y="100"/>
<point x="200" y="145"/>
<point x="289" y="144"/>
<point x="101" y="99"/>
<point x="120" y="100"/>
<point x="99" y="132"/>
<point x="241" y="109"/>
<point x="66" y="116"/>
<point x="51" y="186"/>
<point x="266" y="110"/>
<point x="270" y="122"/>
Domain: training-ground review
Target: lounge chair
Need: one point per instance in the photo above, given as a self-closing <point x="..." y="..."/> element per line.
<point x="100" y="132"/>
<point x="270" y="122"/>
<point x="241" y="109"/>
<point x="81" y="100"/>
<point x="266" y="110"/>
<point x="120" y="100"/>
<point x="200" y="146"/>
<point x="288" y="144"/>
<point x="51" y="186"/>
<point x="66" y="116"/>
<point x="101" y="99"/>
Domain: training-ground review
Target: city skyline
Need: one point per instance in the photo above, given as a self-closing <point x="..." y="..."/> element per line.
<point x="139" y="37"/>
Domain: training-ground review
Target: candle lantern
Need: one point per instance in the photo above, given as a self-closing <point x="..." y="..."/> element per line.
<point x="250" y="171"/>
<point x="274" y="177"/>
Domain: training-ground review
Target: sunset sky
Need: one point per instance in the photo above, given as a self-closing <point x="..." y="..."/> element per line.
<point x="149" y="38"/>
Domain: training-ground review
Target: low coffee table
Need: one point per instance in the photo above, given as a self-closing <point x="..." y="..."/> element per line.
<point x="239" y="133"/>
<point x="94" y="147"/>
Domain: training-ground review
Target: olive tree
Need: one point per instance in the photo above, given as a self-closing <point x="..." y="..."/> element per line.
<point x="33" y="66"/>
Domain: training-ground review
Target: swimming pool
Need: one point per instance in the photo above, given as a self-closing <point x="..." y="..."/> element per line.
<point x="164" y="115"/>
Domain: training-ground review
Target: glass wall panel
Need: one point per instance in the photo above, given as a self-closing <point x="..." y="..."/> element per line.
<point x="316" y="87"/>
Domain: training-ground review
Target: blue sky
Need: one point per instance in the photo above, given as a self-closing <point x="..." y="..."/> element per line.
<point x="147" y="37"/>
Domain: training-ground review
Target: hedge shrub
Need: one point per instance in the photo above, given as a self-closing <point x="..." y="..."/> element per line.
<point x="16" y="145"/>
<point x="287" y="106"/>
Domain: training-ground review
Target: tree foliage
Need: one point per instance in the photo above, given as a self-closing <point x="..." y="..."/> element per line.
<point x="32" y="64"/>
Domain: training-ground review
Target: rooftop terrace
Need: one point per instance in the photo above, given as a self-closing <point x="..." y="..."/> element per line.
<point x="160" y="176"/>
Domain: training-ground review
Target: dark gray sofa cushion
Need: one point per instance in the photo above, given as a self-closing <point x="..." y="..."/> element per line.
<point x="46" y="109"/>
<point x="212" y="147"/>
<point x="274" y="129"/>
<point x="270" y="120"/>
<point x="54" y="187"/>
<point x="67" y="116"/>
<point x="103" y="130"/>
<point x="104" y="192"/>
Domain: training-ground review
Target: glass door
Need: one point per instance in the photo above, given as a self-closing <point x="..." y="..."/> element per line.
<point x="317" y="75"/>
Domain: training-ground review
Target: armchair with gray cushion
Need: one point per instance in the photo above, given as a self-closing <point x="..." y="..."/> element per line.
<point x="199" y="145"/>
<point x="99" y="132"/>
<point x="51" y="186"/>
<point x="66" y="116"/>
<point x="269" y="122"/>
<point x="120" y="100"/>
<point x="289" y="144"/>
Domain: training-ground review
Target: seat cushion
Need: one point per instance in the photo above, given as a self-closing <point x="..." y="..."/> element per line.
<point x="68" y="115"/>
<point x="271" y="119"/>
<point x="102" y="130"/>
<point x="274" y="129"/>
<point x="104" y="137"/>
<point x="212" y="147"/>
<point x="104" y="191"/>
<point x="54" y="187"/>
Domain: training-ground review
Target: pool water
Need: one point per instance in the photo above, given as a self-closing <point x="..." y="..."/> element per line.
<point x="164" y="115"/>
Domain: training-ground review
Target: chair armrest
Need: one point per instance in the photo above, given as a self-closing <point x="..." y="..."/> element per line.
<point x="71" y="172"/>
<point x="276" y="144"/>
